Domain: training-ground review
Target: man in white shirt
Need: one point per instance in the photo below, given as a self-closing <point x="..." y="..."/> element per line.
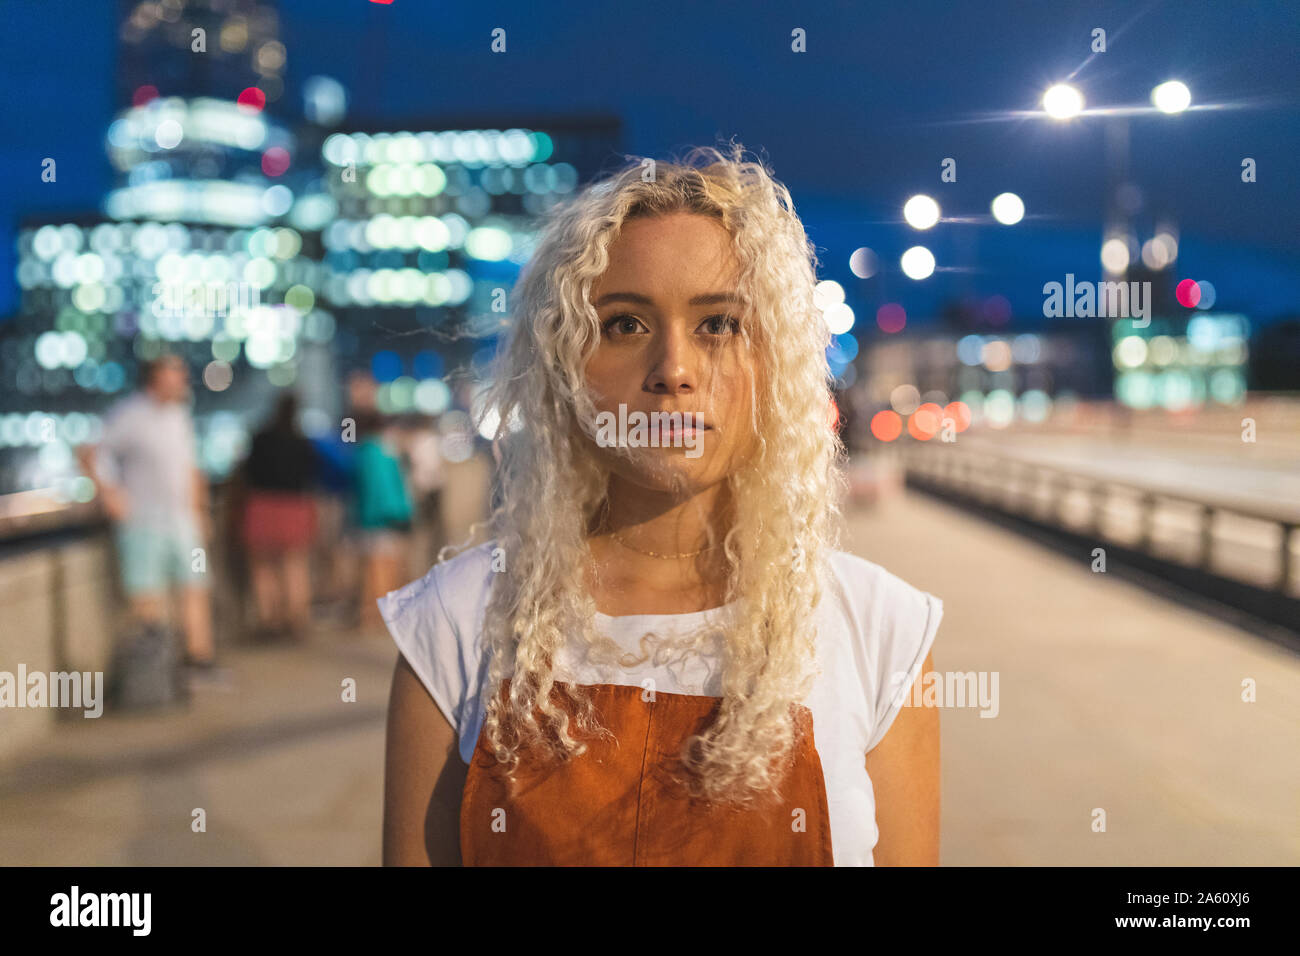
<point x="150" y="485"/>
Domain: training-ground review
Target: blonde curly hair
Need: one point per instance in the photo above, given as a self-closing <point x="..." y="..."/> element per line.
<point x="786" y="497"/>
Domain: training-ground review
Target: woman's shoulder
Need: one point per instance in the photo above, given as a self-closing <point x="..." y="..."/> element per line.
<point x="436" y="622"/>
<point x="867" y="577"/>
<point x="456" y="588"/>
<point x="881" y="631"/>
<point x="880" y="606"/>
<point x="476" y="564"/>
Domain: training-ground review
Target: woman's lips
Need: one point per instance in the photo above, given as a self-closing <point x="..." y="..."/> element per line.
<point x="670" y="432"/>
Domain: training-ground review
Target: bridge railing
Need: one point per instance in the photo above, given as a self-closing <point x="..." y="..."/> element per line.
<point x="1213" y="532"/>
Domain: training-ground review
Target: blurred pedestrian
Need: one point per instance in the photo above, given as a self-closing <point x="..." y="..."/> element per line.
<point x="422" y="448"/>
<point x="149" y="483"/>
<point x="467" y="490"/>
<point x="335" y="561"/>
<point x="279" y="521"/>
<point x="383" y="513"/>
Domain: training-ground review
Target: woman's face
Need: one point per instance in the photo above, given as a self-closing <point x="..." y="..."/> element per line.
<point x="670" y="342"/>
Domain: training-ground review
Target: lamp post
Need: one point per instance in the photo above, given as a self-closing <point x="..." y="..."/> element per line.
<point x="1063" y="102"/>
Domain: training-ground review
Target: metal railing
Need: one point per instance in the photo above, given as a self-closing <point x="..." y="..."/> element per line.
<point x="1042" y="492"/>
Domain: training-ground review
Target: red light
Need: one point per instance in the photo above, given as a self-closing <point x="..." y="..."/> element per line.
<point x="886" y="425"/>
<point x="959" y="412"/>
<point x="833" y="413"/>
<point x="275" y="161"/>
<point x="925" y="421"/>
<point x="891" y="317"/>
<point x="143" y="94"/>
<point x="252" y="99"/>
<point x="1188" y="293"/>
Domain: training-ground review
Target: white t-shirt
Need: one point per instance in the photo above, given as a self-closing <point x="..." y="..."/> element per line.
<point x="150" y="448"/>
<point x="874" y="631"/>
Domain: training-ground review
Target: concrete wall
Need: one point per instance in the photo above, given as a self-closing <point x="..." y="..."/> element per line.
<point x="57" y="613"/>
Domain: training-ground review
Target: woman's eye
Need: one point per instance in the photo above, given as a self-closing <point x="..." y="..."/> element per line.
<point x="721" y="324"/>
<point x="624" y="324"/>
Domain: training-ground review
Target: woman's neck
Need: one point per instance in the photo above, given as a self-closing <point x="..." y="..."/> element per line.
<point x="653" y="553"/>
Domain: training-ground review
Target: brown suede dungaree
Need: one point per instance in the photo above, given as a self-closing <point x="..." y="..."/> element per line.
<point x="617" y="805"/>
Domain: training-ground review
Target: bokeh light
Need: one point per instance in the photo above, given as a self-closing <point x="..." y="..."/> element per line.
<point x="886" y="425"/>
<point x="921" y="212"/>
<point x="905" y="399"/>
<point x="827" y="293"/>
<point x="1114" y="255"/>
<point x="251" y="99"/>
<point x="275" y="161"/>
<point x="864" y="263"/>
<point x="1171" y="97"/>
<point x="996" y="355"/>
<point x="960" y="414"/>
<point x="918" y="263"/>
<point x="1188" y="293"/>
<point x="999" y="408"/>
<point x="1062" y="101"/>
<point x="925" y="422"/>
<point x="1008" y="209"/>
<point x="839" y="318"/>
<point x="891" y="317"/>
<point x="1208" y="295"/>
<point x="218" y="375"/>
<point x="169" y="134"/>
<point x="1130" y="352"/>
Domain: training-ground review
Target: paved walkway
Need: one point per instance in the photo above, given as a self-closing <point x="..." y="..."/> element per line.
<point x="287" y="772"/>
<point x="1110" y="697"/>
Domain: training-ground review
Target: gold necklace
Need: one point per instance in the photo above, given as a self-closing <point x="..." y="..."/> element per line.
<point x="655" y="554"/>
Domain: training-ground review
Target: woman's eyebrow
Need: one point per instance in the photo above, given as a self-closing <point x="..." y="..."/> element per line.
<point x="710" y="298"/>
<point x="713" y="298"/>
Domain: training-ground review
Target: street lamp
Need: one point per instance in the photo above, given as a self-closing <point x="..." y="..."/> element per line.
<point x="1171" y="97"/>
<point x="921" y="212"/>
<point x="918" y="263"/>
<point x="1062" y="102"/>
<point x="1008" y="208"/>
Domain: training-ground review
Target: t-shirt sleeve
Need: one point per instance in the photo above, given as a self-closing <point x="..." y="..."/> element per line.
<point x="424" y="632"/>
<point x="908" y="625"/>
<point x="117" y="426"/>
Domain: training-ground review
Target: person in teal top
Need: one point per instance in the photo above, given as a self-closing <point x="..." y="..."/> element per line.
<point x="383" y="513"/>
<point x="382" y="499"/>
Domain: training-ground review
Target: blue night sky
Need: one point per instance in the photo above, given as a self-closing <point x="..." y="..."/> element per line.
<point x="854" y="126"/>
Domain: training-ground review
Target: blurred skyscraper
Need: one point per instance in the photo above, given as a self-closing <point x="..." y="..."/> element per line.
<point x="268" y="246"/>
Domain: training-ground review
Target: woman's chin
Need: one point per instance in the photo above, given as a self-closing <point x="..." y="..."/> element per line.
<point x="667" y="470"/>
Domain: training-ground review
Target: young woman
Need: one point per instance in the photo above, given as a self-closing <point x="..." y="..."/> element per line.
<point x="660" y="658"/>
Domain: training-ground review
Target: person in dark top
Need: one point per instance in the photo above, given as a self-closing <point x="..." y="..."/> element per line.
<point x="279" y="521"/>
<point x="335" y="565"/>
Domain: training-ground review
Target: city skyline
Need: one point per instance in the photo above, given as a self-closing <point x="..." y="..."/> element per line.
<point x="849" y="193"/>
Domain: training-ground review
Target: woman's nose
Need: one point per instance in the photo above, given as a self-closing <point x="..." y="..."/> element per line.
<point x="673" y="365"/>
